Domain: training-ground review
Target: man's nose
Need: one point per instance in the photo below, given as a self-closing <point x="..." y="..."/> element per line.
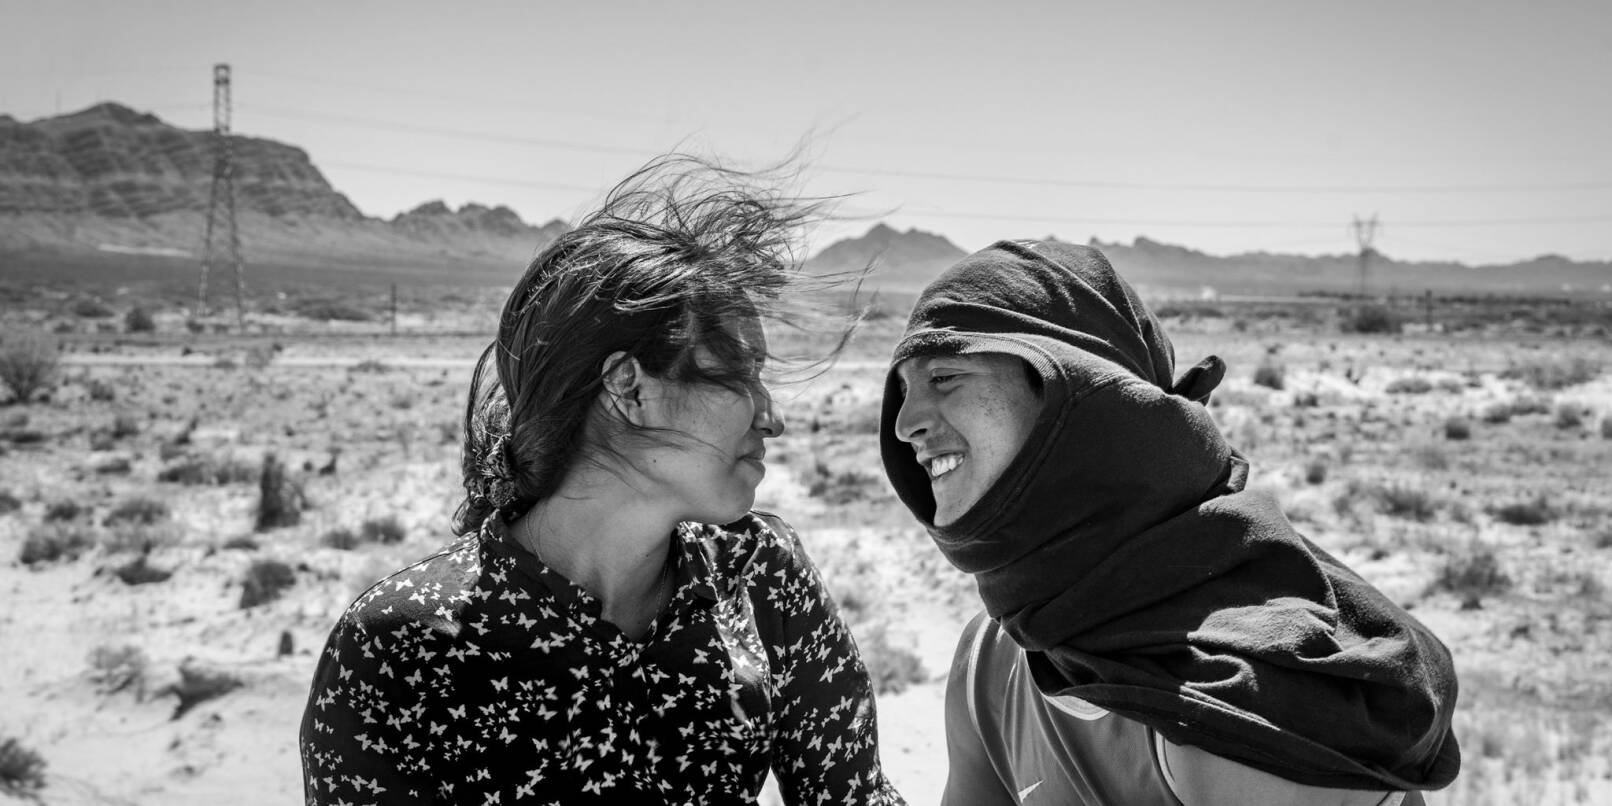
<point x="913" y="419"/>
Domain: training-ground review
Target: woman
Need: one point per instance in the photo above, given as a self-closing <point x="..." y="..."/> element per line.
<point x="595" y="635"/>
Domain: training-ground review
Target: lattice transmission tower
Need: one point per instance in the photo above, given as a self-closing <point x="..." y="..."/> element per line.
<point x="221" y="203"/>
<point x="1365" y="235"/>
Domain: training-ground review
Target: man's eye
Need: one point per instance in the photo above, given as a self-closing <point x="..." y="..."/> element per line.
<point x="941" y="378"/>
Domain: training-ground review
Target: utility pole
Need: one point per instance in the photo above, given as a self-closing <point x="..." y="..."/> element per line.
<point x="1365" y="234"/>
<point x="221" y="202"/>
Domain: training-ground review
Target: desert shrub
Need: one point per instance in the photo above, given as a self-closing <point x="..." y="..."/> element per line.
<point x="28" y="364"/>
<point x="1568" y="417"/>
<point x="140" y="572"/>
<point x="1270" y="375"/>
<point x="1457" y="429"/>
<point x="1315" y="471"/>
<point x="25" y="436"/>
<point x="22" y="771"/>
<point x="1306" y="400"/>
<point x="113" y="669"/>
<point x="891" y="668"/>
<point x="99" y="390"/>
<point x="209" y="470"/>
<point x="1552" y="374"/>
<point x="1370" y="319"/>
<point x="1430" y="457"/>
<point x="115" y="466"/>
<point x="137" y="510"/>
<point x="280" y="499"/>
<point x="265" y="580"/>
<point x="9" y="503"/>
<point x="1402" y="500"/>
<point x="341" y="538"/>
<point x="124" y="426"/>
<point x="843" y="488"/>
<point x="1523" y="406"/>
<point x="1496" y="413"/>
<point x="138" y="320"/>
<point x="370" y="366"/>
<point x="57" y="542"/>
<point x="1472" y="575"/>
<point x="241" y="543"/>
<point x="331" y="310"/>
<point x="385" y="530"/>
<point x="1606" y="427"/>
<point x="1410" y="385"/>
<point x="198" y="684"/>
<point x="64" y="510"/>
<point x="1526" y="513"/>
<point x="91" y="309"/>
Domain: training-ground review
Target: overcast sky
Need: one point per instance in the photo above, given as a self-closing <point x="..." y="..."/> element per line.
<point x="1475" y="130"/>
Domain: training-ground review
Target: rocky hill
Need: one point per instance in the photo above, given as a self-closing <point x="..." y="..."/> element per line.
<point x="93" y="187"/>
<point x="900" y="260"/>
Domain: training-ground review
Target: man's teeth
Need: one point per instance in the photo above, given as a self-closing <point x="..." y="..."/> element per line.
<point x="941" y="465"/>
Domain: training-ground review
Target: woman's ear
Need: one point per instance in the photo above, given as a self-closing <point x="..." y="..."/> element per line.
<point x="623" y="385"/>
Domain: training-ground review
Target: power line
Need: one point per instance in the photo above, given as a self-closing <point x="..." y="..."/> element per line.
<point x="458" y="133"/>
<point x="494" y="180"/>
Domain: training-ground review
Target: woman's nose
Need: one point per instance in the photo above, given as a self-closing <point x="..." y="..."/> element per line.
<point x="769" y="420"/>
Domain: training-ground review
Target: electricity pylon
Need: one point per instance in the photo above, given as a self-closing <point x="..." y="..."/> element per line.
<point x="221" y="201"/>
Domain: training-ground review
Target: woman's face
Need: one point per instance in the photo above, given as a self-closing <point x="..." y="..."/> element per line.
<point x="710" y="465"/>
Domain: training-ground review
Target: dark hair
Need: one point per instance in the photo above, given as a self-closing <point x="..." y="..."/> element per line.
<point x="677" y="249"/>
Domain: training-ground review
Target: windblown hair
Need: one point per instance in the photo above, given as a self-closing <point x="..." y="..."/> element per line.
<point x="674" y="251"/>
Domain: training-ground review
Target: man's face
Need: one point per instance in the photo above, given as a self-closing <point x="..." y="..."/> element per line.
<point x="966" y="416"/>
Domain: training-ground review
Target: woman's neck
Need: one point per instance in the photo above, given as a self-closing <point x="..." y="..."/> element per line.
<point x="592" y="532"/>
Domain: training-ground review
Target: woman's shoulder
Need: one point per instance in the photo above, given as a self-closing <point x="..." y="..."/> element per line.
<point x="758" y="536"/>
<point x="429" y="592"/>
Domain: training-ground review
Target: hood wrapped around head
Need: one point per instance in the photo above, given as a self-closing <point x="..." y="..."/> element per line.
<point x="1120" y="549"/>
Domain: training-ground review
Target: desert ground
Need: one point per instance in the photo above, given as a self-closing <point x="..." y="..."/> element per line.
<point x="183" y="516"/>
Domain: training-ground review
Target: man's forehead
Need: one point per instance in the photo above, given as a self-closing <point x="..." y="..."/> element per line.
<point x="923" y="361"/>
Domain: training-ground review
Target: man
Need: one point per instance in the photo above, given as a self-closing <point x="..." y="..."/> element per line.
<point x="1156" y="633"/>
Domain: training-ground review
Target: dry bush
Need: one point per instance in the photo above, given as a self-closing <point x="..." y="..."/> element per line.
<point x="341" y="538"/>
<point x="198" y="684"/>
<point x="9" y="503"/>
<point x="280" y="500"/>
<point x="28" y="364"/>
<point x="1535" y="512"/>
<point x="1270" y="375"/>
<point x="1569" y="417"/>
<point x="64" y="510"/>
<point x="56" y="542"/>
<point x="114" y="669"/>
<point x="1315" y="471"/>
<point x="1402" y="500"/>
<point x="1370" y="319"/>
<point x="846" y="487"/>
<point x="22" y="771"/>
<point x="124" y="426"/>
<point x="140" y="572"/>
<point x="1606" y="427"/>
<point x="370" y="366"/>
<point x="138" y="320"/>
<point x="264" y="582"/>
<point x="208" y="470"/>
<point x="387" y="530"/>
<point x="1552" y="374"/>
<point x="139" y="509"/>
<point x="1409" y="385"/>
<point x="1459" y="428"/>
<point x="1472" y="576"/>
<point x="890" y="667"/>
<point x="92" y="309"/>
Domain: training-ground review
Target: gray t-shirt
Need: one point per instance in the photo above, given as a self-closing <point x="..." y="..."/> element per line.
<point x="1007" y="743"/>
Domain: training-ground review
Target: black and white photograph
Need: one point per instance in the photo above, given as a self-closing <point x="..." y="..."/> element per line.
<point x="1160" y="403"/>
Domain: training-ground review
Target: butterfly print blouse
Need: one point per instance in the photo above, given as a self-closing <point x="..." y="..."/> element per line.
<point x="480" y="676"/>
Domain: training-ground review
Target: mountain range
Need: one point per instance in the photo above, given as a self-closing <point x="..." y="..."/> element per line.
<point x="112" y="191"/>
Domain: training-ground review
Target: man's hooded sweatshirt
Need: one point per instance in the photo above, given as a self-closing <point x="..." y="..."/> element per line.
<point x="1122" y="552"/>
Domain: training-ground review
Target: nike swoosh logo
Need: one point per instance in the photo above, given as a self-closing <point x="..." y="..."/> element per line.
<point x="1025" y="792"/>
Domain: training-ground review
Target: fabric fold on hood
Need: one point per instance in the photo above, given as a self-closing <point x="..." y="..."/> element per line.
<point x="1121" y="550"/>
